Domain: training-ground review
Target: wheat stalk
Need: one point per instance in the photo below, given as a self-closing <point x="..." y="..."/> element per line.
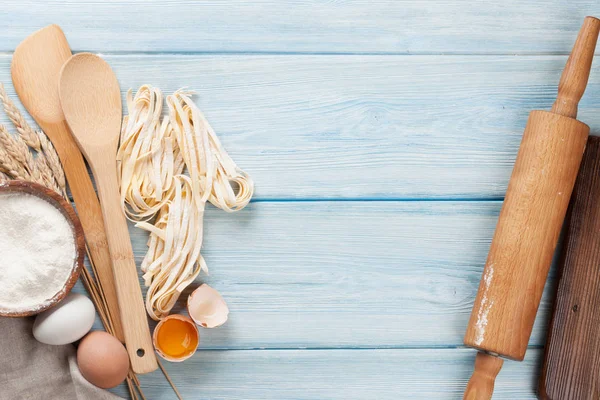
<point x="15" y="148"/>
<point x="11" y="167"/>
<point x="46" y="174"/>
<point x="52" y="161"/>
<point x="19" y="162"/>
<point x="18" y="158"/>
<point x="23" y="128"/>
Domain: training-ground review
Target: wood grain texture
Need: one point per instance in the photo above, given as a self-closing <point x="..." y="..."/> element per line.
<point x="365" y="127"/>
<point x="322" y="274"/>
<point x="396" y="275"/>
<point x="345" y="26"/>
<point x="571" y="366"/>
<point x="336" y="374"/>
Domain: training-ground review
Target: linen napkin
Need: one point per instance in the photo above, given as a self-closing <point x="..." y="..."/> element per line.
<point x="30" y="370"/>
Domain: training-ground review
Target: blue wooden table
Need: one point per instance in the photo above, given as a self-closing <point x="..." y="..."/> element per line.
<point x="381" y="136"/>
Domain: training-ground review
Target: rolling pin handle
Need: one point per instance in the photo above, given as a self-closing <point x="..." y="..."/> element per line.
<point x="577" y="70"/>
<point x="481" y="384"/>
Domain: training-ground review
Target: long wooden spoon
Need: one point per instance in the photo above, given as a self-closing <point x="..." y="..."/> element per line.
<point x="91" y="100"/>
<point x="35" y="71"/>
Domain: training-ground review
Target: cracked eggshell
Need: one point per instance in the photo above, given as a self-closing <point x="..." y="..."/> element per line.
<point x="207" y="308"/>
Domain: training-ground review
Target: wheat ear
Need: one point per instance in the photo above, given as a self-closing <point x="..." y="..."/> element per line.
<point x="10" y="167"/>
<point x="16" y="148"/>
<point x="46" y="174"/>
<point x="19" y="161"/>
<point x="23" y="128"/>
<point x="23" y="163"/>
<point x="46" y="168"/>
<point x="52" y="160"/>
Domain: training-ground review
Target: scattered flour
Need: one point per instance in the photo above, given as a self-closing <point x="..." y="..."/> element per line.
<point x="485" y="306"/>
<point x="37" y="251"/>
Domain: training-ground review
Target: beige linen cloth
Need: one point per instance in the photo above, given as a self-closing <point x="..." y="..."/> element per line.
<point x="30" y="370"/>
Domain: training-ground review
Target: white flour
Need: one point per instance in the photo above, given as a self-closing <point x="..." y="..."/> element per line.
<point x="37" y="251"/>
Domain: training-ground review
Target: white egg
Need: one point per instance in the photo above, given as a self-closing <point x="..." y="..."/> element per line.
<point x="67" y="322"/>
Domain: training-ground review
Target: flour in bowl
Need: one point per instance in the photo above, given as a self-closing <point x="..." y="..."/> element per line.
<point x="37" y="252"/>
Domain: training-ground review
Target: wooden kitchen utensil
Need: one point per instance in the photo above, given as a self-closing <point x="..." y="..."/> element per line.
<point x="572" y="363"/>
<point x="35" y="71"/>
<point x="530" y="223"/>
<point x="91" y="101"/>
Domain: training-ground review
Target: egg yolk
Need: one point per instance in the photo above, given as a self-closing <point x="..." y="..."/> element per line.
<point x="177" y="338"/>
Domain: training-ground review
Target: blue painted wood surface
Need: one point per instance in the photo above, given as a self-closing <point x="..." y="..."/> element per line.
<point x="381" y="135"/>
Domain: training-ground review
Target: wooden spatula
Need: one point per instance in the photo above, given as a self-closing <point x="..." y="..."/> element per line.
<point x="35" y="71"/>
<point x="91" y="100"/>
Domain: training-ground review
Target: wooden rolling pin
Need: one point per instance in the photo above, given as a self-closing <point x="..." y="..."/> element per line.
<point x="530" y="223"/>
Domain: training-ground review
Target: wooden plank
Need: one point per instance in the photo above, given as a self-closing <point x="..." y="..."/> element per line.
<point x="353" y="26"/>
<point x="376" y="127"/>
<point x="337" y="374"/>
<point x="347" y="274"/>
<point x="571" y="362"/>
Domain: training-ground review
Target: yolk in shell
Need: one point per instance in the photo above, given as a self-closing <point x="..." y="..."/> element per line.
<point x="177" y="338"/>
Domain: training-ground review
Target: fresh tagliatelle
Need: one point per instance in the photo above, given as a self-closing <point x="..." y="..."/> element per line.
<point x="151" y="160"/>
<point x="148" y="156"/>
<point x="210" y="167"/>
<point x="173" y="260"/>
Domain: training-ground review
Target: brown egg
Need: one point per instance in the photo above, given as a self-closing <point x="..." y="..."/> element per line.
<point x="102" y="360"/>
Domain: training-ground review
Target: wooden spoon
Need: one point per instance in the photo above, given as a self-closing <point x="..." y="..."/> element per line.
<point x="91" y="100"/>
<point x="35" y="71"/>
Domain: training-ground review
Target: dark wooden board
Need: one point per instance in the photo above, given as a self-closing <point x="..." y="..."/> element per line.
<point x="571" y="368"/>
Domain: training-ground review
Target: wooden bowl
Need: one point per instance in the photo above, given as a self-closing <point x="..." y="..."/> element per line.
<point x="67" y="210"/>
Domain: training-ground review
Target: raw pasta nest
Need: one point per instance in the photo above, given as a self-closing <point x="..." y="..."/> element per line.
<point x="152" y="158"/>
